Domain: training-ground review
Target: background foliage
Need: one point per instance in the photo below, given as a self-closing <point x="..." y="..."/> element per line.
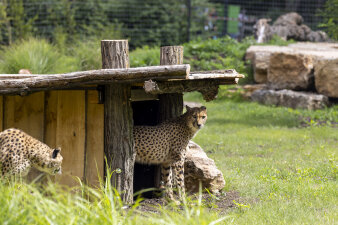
<point x="330" y="17"/>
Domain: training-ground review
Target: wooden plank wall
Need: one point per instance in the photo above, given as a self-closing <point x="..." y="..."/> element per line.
<point x="26" y="113"/>
<point x="72" y="120"/>
<point x="95" y="139"/>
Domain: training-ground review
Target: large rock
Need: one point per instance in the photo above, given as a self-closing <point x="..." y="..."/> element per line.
<point x="199" y="168"/>
<point x="290" y="71"/>
<point x="261" y="65"/>
<point x="326" y="77"/>
<point x="288" y="26"/>
<point x="292" y="99"/>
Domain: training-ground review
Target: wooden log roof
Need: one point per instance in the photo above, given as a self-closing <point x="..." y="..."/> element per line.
<point x="156" y="79"/>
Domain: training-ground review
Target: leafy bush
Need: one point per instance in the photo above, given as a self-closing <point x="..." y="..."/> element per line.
<point x="145" y="56"/>
<point x="88" y="51"/>
<point x="37" y="55"/>
<point x="222" y="53"/>
<point x="330" y="16"/>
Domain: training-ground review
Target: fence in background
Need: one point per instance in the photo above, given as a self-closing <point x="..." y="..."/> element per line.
<point x="148" y="22"/>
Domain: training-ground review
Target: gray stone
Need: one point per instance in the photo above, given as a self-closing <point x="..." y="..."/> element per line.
<point x="287" y="26"/>
<point x="199" y="168"/>
<point x="292" y="99"/>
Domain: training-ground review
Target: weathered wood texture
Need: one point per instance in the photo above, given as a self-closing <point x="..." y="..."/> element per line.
<point x="118" y="120"/>
<point x="70" y="135"/>
<point x="51" y="106"/>
<point x="171" y="55"/>
<point x="94" y="139"/>
<point x="208" y="88"/>
<point x="27" y="114"/>
<point x="1" y="113"/>
<point x="10" y="84"/>
<point x="171" y="105"/>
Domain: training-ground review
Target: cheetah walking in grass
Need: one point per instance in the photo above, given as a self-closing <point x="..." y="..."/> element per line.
<point x="166" y="144"/>
<point x="19" y="152"/>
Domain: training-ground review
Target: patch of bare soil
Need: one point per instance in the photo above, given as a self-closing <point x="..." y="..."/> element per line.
<point x="221" y="202"/>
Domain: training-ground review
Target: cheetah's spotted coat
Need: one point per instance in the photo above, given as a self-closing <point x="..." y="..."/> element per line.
<point x="19" y="152"/>
<point x="166" y="144"/>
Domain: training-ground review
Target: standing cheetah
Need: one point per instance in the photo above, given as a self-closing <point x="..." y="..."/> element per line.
<point x="19" y="152"/>
<point x="166" y="144"/>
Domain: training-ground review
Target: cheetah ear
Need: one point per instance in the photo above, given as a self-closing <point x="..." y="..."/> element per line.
<point x="203" y="108"/>
<point x="188" y="108"/>
<point x="56" y="152"/>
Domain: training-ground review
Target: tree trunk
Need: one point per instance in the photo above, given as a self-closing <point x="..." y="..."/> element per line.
<point x="119" y="146"/>
<point x="171" y="105"/>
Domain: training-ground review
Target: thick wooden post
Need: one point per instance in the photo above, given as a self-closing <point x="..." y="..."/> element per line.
<point x="118" y="121"/>
<point x="171" y="105"/>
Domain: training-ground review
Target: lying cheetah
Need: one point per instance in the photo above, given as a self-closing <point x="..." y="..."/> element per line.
<point x="19" y="151"/>
<point x="166" y="144"/>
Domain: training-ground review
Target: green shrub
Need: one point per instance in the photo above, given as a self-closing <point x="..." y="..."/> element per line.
<point x="330" y="17"/>
<point x="145" y="56"/>
<point x="222" y="53"/>
<point x="37" y="55"/>
<point x="88" y="50"/>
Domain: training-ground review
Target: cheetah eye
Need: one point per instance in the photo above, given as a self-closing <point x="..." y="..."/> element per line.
<point x="203" y="117"/>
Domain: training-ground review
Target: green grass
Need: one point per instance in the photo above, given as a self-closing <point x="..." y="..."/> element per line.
<point x="285" y="174"/>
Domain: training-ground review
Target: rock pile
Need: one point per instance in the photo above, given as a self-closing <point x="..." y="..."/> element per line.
<point x="306" y="67"/>
<point x="287" y="26"/>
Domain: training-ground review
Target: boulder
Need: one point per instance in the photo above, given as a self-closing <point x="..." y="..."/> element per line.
<point x="290" y="71"/>
<point x="292" y="99"/>
<point x="261" y="64"/>
<point x="199" y="168"/>
<point x="326" y="77"/>
<point x="250" y="88"/>
<point x="287" y="26"/>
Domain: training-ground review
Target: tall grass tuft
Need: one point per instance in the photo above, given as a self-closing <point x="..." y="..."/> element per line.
<point x="36" y="55"/>
<point x="23" y="203"/>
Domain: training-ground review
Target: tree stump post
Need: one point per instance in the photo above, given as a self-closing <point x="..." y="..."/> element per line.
<point x="118" y="120"/>
<point x="171" y="105"/>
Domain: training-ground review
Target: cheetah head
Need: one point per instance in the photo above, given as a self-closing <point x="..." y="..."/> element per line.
<point x="52" y="165"/>
<point x="197" y="117"/>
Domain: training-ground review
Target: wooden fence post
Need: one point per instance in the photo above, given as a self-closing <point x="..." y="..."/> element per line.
<point x="118" y="121"/>
<point x="171" y="105"/>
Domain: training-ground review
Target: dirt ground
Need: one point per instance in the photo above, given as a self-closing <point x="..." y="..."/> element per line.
<point x="221" y="202"/>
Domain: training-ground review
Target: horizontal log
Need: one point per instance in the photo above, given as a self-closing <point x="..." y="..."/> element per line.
<point x="180" y="86"/>
<point x="215" y="74"/>
<point x="208" y="88"/>
<point x="27" y="83"/>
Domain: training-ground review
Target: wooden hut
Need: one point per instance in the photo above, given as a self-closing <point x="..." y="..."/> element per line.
<point x="90" y="114"/>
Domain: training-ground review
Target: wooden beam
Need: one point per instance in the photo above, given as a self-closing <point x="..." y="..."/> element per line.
<point x="12" y="83"/>
<point x="170" y="105"/>
<point x="1" y="113"/>
<point x="208" y="88"/>
<point x="118" y="121"/>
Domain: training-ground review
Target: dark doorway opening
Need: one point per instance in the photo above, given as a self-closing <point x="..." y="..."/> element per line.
<point x="146" y="176"/>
